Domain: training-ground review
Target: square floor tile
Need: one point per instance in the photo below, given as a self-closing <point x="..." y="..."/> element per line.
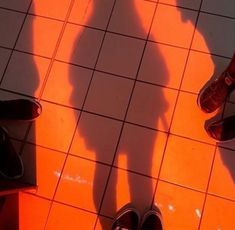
<point x="127" y="188"/>
<point x="163" y="65"/>
<point x="218" y="214"/>
<point x="215" y="35"/>
<point x="116" y="52"/>
<point x="188" y="120"/>
<point x="50" y="8"/>
<point x="4" y="57"/>
<point x="22" y="5"/>
<point x="80" y="45"/>
<point x="192" y="4"/>
<point x="181" y="208"/>
<point x="109" y="95"/>
<point x="55" y="127"/>
<point x="47" y="175"/>
<point x="152" y="106"/>
<point x="225" y="8"/>
<point x="67" y="84"/>
<point x="82" y="183"/>
<point x="137" y="23"/>
<point x="201" y="68"/>
<point x="96" y="138"/>
<point x="10" y="25"/>
<point x="92" y="13"/>
<point x="63" y="217"/>
<point x="223" y="174"/>
<point x="173" y="25"/>
<point x="141" y="150"/>
<point x="25" y="74"/>
<point x="33" y="211"/>
<point x="187" y="163"/>
<point x="39" y="36"/>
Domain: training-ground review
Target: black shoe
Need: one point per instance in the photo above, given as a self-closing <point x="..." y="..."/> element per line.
<point x="222" y="130"/>
<point x="11" y="166"/>
<point x="127" y="218"/>
<point x="20" y="109"/>
<point x="152" y="220"/>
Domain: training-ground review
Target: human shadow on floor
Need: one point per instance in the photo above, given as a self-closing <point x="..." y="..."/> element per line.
<point x="137" y="143"/>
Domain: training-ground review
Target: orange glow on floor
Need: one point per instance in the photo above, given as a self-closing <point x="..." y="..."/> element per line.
<point x="169" y="30"/>
<point x="38" y="209"/>
<point x="44" y="36"/>
<point x="176" y="211"/>
<point x="216" y="207"/>
<point x="81" y="148"/>
<point x="64" y="217"/>
<point x="118" y="81"/>
<point x="60" y="127"/>
<point x="185" y="156"/>
<point x="82" y="11"/>
<point x="186" y="110"/>
<point x="50" y="8"/>
<point x="193" y="72"/>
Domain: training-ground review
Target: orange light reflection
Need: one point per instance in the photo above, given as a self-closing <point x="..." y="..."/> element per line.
<point x="55" y="128"/>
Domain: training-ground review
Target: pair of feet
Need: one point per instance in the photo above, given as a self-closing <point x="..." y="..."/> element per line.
<point x="11" y="166"/>
<point x="212" y="97"/>
<point x="128" y="218"/>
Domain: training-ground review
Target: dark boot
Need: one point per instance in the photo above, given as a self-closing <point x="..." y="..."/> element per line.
<point x="20" y="109"/>
<point x="11" y="166"/>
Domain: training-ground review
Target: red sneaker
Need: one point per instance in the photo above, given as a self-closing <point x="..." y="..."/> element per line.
<point x="211" y="97"/>
<point x="222" y="130"/>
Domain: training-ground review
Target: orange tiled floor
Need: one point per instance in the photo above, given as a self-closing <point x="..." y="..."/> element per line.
<point x="118" y="81"/>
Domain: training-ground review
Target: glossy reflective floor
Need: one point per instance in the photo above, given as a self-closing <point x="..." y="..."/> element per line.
<point x="118" y="81"/>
